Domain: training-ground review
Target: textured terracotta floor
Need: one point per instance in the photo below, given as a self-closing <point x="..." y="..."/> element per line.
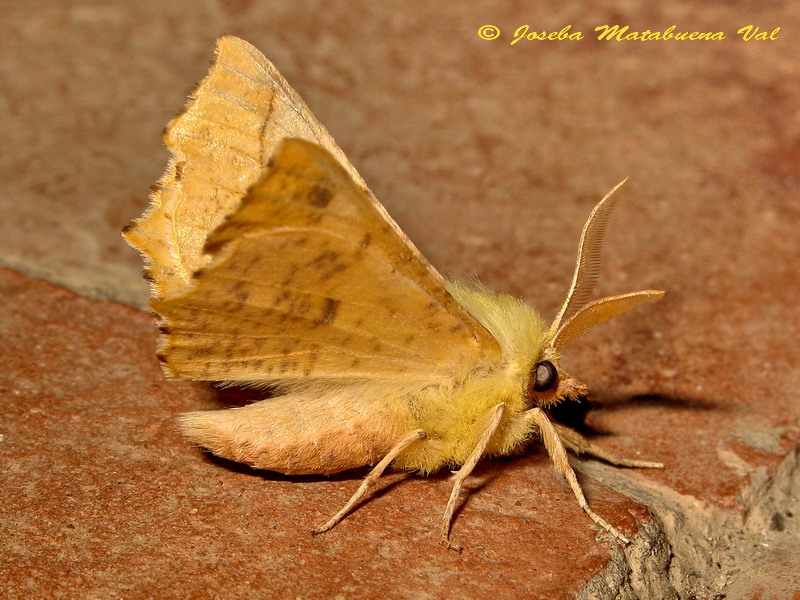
<point x="490" y="156"/>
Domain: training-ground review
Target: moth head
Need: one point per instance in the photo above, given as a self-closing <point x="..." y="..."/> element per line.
<point x="548" y="383"/>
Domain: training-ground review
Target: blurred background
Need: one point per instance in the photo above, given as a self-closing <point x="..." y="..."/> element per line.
<point x="490" y="156"/>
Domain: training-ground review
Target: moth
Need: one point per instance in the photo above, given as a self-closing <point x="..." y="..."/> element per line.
<point x="272" y="265"/>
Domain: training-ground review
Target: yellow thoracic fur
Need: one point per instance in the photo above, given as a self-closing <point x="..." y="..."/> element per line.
<point x="455" y="417"/>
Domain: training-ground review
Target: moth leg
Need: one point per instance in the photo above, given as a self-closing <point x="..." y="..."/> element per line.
<point x="495" y="416"/>
<point x="580" y="445"/>
<point x="555" y="448"/>
<point x="371" y="478"/>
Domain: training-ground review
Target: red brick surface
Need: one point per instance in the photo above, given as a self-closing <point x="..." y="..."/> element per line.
<point x="490" y="156"/>
<point x="102" y="498"/>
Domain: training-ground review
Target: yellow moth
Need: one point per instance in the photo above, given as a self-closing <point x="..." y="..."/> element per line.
<point x="272" y="264"/>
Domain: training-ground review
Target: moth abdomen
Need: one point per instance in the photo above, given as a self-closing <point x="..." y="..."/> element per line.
<point x="295" y="434"/>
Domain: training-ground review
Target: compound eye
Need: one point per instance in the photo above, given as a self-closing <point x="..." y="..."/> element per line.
<point x="545" y="376"/>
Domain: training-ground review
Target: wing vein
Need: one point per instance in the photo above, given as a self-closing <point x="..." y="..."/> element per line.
<point x="355" y="332"/>
<point x="256" y="83"/>
<point x="202" y="117"/>
<point x="189" y="134"/>
<point x="286" y="92"/>
<point x="240" y="102"/>
<point x="291" y="230"/>
<point x="382" y="357"/>
<point x="369" y="305"/>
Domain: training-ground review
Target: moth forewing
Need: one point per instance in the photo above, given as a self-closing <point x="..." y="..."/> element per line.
<point x="273" y="265"/>
<point x="219" y="146"/>
<point x="308" y="283"/>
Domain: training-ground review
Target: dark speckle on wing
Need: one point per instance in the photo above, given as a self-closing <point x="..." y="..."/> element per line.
<point x="319" y="196"/>
<point x="329" y="311"/>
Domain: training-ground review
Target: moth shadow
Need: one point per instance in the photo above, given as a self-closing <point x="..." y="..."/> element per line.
<point x="235" y="396"/>
<point x="481" y="478"/>
<point x="237" y="467"/>
<point x="665" y="400"/>
<point x="574" y="413"/>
